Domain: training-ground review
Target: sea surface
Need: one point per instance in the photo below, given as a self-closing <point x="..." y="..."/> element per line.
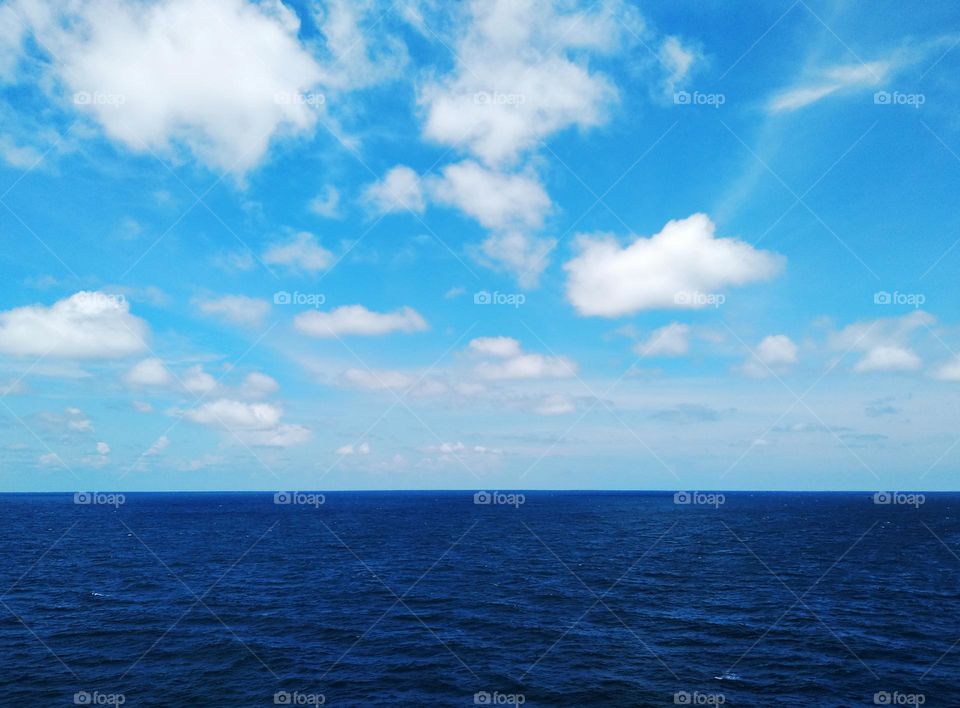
<point x="431" y="599"/>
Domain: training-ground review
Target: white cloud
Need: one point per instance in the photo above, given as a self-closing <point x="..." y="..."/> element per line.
<point x="327" y="203"/>
<point x="521" y="74"/>
<point x="301" y="253"/>
<point x="149" y="372"/>
<point x="773" y="354"/>
<point x="557" y="404"/>
<point x="888" y="358"/>
<point x="498" y="200"/>
<point x="84" y="325"/>
<point x="948" y="371"/>
<point x="360" y="56"/>
<point x="674" y="269"/>
<point x="361" y="449"/>
<point x="219" y="78"/>
<point x="236" y="309"/>
<point x="358" y="320"/>
<point x="670" y="340"/>
<point x="831" y="80"/>
<point x="508" y="361"/>
<point x="142" y="407"/>
<point x="253" y="423"/>
<point x="399" y="190"/>
<point x="197" y="381"/>
<point x="103" y="448"/>
<point x="520" y="254"/>
<point x="158" y="446"/>
<point x="256" y="385"/>
<point x="678" y="61"/>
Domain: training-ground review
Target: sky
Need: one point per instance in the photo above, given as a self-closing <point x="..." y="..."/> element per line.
<point x="525" y="244"/>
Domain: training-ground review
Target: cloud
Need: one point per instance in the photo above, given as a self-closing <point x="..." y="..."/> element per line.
<point x="236" y="309"/>
<point x="142" y="407"/>
<point x="773" y="354"/>
<point x="948" y="371"/>
<point x="87" y="325"/>
<point x="361" y="449"/>
<point x="557" y="404"/>
<point x="521" y="74"/>
<point x="252" y="423"/>
<point x="507" y="360"/>
<point x="674" y="269"/>
<point x="256" y="385"/>
<point x="103" y="448"/>
<point x="671" y="340"/>
<point x="399" y="190"/>
<point x="831" y="80"/>
<point x="358" y="320"/>
<point x="377" y="380"/>
<point x="197" y="381"/>
<point x="678" y="62"/>
<point x="158" y="446"/>
<point x="327" y="203"/>
<point x="518" y="253"/>
<point x="888" y="358"/>
<point x="221" y="79"/>
<point x="497" y="200"/>
<point x="149" y="372"/>
<point x="884" y="342"/>
<point x="301" y="253"/>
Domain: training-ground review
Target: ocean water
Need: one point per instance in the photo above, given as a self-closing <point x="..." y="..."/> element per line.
<point x="428" y="598"/>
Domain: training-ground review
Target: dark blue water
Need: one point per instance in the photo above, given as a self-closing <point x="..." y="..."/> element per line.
<point x="430" y="599"/>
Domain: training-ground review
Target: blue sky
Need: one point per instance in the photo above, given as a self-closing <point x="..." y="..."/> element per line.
<point x="499" y="245"/>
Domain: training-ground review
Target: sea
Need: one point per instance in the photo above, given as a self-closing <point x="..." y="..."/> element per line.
<point x="484" y="597"/>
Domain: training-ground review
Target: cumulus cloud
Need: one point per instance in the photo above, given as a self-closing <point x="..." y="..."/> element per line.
<point x="361" y="449"/>
<point x="677" y="268"/>
<point x="221" y="79"/>
<point x="773" y="354"/>
<point x="670" y="340"/>
<point x="301" y="253"/>
<point x="256" y="385"/>
<point x="885" y="343"/>
<point x="327" y="203"/>
<point x="497" y="200"/>
<point x="103" y="448"/>
<point x="948" y="371"/>
<point x="557" y="404"/>
<point x="399" y="190"/>
<point x="149" y="372"/>
<point x="197" y="381"/>
<point x="85" y="325"/>
<point x="358" y="320"/>
<point x="507" y="360"/>
<point x="253" y="423"/>
<point x="236" y="309"/>
<point x="377" y="380"/>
